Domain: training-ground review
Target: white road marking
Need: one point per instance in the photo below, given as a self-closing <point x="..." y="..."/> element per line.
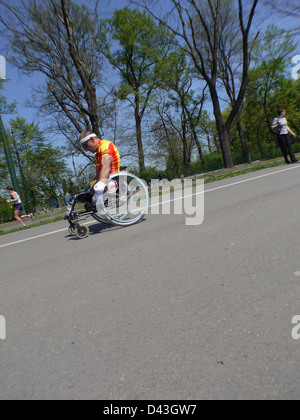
<point x="33" y="237"/>
<point x="229" y="185"/>
<point x="253" y="179"/>
<point x="205" y="192"/>
<point x="39" y="236"/>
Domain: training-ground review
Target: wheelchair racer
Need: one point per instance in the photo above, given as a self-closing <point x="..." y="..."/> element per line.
<point x="107" y="159"/>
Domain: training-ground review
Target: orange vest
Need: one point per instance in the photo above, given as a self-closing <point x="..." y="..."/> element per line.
<point x="107" y="148"/>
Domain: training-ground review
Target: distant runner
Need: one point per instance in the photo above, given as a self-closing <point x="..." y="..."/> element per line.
<point x="17" y="204"/>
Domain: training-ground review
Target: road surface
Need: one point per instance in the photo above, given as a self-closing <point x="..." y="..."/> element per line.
<point x="160" y="310"/>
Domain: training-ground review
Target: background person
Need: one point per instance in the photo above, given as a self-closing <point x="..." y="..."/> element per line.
<point x="17" y="204"/>
<point x="283" y="136"/>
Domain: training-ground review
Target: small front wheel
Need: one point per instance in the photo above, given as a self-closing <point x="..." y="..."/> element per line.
<point x="82" y="232"/>
<point x="72" y="230"/>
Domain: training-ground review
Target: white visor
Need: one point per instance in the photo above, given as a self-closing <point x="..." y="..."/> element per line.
<point x="87" y="138"/>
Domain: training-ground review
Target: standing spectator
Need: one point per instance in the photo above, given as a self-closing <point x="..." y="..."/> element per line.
<point x="17" y="203"/>
<point x="283" y="136"/>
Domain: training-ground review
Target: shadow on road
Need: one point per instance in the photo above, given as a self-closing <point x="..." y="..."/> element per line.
<point x="98" y="228"/>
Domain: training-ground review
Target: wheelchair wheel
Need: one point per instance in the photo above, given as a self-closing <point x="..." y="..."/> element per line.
<point x="72" y="230"/>
<point x="126" y="200"/>
<point x="82" y="232"/>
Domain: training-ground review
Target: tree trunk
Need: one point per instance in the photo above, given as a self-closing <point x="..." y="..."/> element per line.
<point x="186" y="158"/>
<point x="224" y="141"/>
<point x="94" y="111"/>
<point x="222" y="131"/>
<point x="225" y="148"/>
<point x="243" y="142"/>
<point x="138" y="127"/>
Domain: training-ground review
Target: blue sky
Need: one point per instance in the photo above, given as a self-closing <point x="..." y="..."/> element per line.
<point x="18" y="87"/>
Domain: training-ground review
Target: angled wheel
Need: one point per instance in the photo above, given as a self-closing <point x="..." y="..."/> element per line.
<point x="72" y="230"/>
<point x="126" y="200"/>
<point x="82" y="232"/>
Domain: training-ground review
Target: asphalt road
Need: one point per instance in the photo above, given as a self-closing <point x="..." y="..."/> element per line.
<point x="160" y="310"/>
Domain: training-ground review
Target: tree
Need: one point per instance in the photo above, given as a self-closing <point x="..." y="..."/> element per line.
<point x="269" y="87"/>
<point x="199" y="33"/>
<point x="168" y="135"/>
<point x="138" y="56"/>
<point x="179" y="86"/>
<point x="57" y="38"/>
<point x="209" y="133"/>
<point x="6" y="164"/>
<point x="286" y="8"/>
<point x="172" y="133"/>
<point x="5" y="107"/>
<point x="3" y="170"/>
<point x="43" y="165"/>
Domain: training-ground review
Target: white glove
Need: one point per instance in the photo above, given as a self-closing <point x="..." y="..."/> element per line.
<point x="98" y="195"/>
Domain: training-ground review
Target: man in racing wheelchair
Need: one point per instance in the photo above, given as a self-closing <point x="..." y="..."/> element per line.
<point x="107" y="159"/>
<point x="114" y="197"/>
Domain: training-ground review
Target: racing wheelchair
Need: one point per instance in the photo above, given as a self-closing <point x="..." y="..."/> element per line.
<point x="125" y="200"/>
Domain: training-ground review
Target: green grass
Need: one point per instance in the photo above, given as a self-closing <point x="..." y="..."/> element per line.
<point x="259" y="167"/>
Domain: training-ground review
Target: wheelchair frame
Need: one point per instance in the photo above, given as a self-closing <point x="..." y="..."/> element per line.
<point x="85" y="197"/>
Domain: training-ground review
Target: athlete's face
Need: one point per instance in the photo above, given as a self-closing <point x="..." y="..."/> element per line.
<point x="91" y="145"/>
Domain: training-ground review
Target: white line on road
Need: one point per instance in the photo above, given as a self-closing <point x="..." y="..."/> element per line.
<point x="205" y="192"/>
<point x="227" y="185"/>
<point x="38" y="236"/>
<point x="33" y="237"/>
<point x="253" y="179"/>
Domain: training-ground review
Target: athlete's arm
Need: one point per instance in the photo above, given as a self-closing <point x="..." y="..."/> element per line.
<point x="99" y="187"/>
<point x="14" y="196"/>
<point x="105" y="168"/>
<point x="97" y="174"/>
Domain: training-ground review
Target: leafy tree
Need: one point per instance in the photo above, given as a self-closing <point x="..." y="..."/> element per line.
<point x="179" y="84"/>
<point x="172" y="138"/>
<point x="269" y="88"/>
<point x="139" y="56"/>
<point x="3" y="169"/>
<point x="43" y="165"/>
<point x="286" y="8"/>
<point x="5" y="108"/>
<point x="57" y="38"/>
<point x="291" y="103"/>
<point x="199" y="31"/>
